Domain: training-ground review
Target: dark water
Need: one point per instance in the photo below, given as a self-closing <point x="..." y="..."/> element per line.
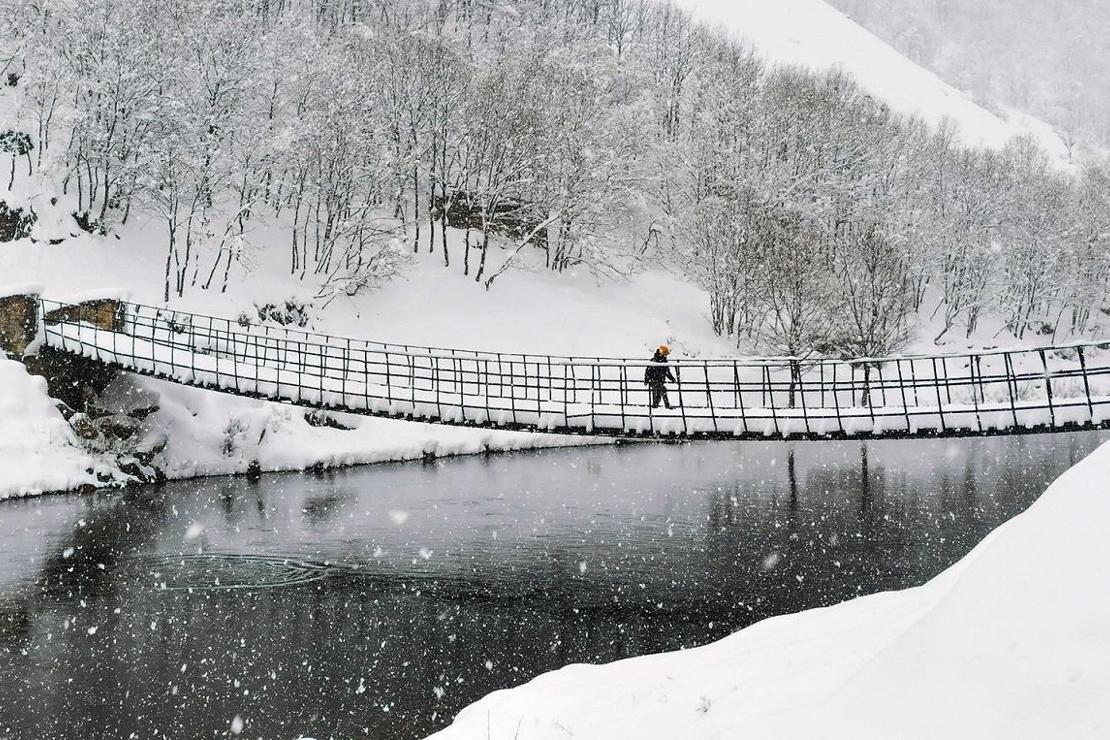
<point x="379" y="601"/>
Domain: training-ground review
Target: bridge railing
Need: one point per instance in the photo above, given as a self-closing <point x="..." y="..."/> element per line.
<point x="981" y="392"/>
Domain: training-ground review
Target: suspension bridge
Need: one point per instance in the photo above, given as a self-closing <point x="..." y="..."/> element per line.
<point x="1002" y="391"/>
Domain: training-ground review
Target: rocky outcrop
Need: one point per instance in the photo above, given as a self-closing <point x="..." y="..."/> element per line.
<point x="18" y="323"/>
<point x="75" y="381"/>
<point x="106" y="314"/>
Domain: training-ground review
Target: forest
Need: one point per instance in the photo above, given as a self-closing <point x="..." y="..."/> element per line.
<point x="600" y="136"/>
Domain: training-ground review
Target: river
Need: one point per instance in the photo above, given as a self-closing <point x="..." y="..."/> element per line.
<point x="378" y="601"/>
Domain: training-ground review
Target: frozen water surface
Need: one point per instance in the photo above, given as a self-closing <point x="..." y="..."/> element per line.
<point x="379" y="601"/>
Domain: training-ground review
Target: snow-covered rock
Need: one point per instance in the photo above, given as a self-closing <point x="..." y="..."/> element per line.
<point x="1012" y="641"/>
<point x="38" y="450"/>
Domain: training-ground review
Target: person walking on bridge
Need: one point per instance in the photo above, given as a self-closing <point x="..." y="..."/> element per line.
<point x="656" y="376"/>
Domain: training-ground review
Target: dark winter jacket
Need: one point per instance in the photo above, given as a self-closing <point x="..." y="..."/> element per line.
<point x="659" y="373"/>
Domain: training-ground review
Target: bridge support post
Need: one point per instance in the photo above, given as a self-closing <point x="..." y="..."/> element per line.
<point x="19" y="322"/>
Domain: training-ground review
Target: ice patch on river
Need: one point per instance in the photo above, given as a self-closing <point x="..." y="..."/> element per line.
<point x="1009" y="642"/>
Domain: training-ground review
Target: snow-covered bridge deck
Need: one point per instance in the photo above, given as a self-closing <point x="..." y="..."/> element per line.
<point x="1021" y="390"/>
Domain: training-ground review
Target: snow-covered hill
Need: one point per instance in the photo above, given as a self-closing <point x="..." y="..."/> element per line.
<point x="813" y="34"/>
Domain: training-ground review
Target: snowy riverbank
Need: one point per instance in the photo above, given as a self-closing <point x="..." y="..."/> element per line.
<point x="39" y="452"/>
<point x="203" y="433"/>
<point x="1009" y="642"/>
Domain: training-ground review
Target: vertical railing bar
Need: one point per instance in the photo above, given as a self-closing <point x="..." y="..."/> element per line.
<point x="388" y="381"/>
<point x="821" y="382"/>
<point x="568" y="373"/>
<point x="736" y="381"/>
<point x="1086" y="383"/>
<point x="1011" y="385"/>
<point x="739" y="395"/>
<point x="595" y="372"/>
<point x="457" y="368"/>
<point x="323" y="362"/>
<point x="171" y="342"/>
<point x="947" y="378"/>
<point x="802" y="394"/>
<point x="550" y="377"/>
<point x="485" y="388"/>
<point x="213" y="335"/>
<point x="512" y="390"/>
<point x="500" y="378"/>
<point x="412" y="381"/>
<point x="525" y="386"/>
<point x="905" y="403"/>
<point x="365" y="378"/>
<point x="913" y="381"/>
<point x="852" y="386"/>
<point x="681" y="403"/>
<point x="771" y="394"/>
<point x="1048" y="388"/>
<point x="882" y="383"/>
<point x="982" y="385"/>
<point x="974" y="399"/>
<point x="438" y="387"/>
<point x="539" y="403"/>
<point x="573" y="384"/>
<point x="623" y="396"/>
<point x="345" y="371"/>
<point x="233" y="350"/>
<point x="866" y="367"/>
<point x="940" y="401"/>
<point x="709" y="400"/>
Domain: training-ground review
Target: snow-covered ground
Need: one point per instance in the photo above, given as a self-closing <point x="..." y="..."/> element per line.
<point x="811" y="33"/>
<point x="1012" y="642"/>
<point x="214" y="434"/>
<point x="38" y="450"/>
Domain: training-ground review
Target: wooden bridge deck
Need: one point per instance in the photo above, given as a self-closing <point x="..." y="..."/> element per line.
<point x="1061" y="388"/>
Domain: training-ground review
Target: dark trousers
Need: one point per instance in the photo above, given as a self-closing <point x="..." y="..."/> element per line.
<point x="659" y="393"/>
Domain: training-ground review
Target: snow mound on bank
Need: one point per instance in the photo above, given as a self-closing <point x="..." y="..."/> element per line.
<point x="38" y="450"/>
<point x="217" y="434"/>
<point x="1012" y="641"/>
<point x="811" y="33"/>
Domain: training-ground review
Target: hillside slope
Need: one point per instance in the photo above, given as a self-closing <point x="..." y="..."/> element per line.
<point x="813" y="34"/>
<point x="1045" y="58"/>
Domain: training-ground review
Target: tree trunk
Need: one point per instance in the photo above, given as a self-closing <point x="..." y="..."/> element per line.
<point x="466" y="251"/>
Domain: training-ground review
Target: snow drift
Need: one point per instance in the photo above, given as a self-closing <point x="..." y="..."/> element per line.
<point x="1012" y="641"/>
<point x="38" y="450"/>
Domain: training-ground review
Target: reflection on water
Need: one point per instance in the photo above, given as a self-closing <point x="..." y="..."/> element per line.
<point x="379" y="601"/>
